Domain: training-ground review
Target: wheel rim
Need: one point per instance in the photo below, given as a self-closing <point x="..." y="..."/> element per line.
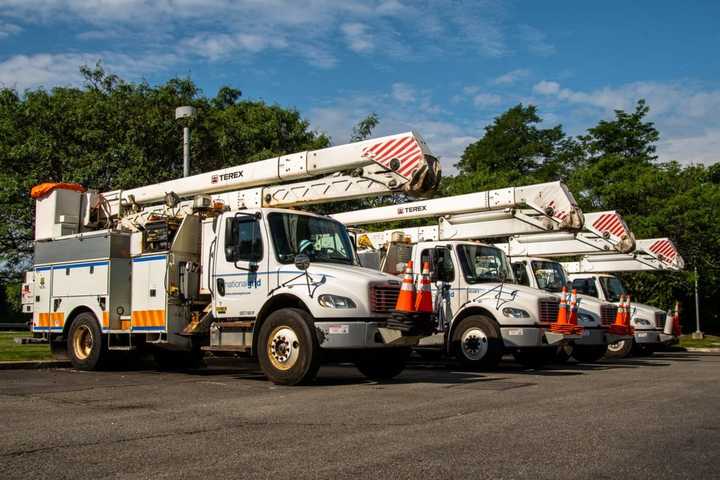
<point x="474" y="344"/>
<point x="283" y="348"/>
<point x="83" y="342"/>
<point x="617" y="346"/>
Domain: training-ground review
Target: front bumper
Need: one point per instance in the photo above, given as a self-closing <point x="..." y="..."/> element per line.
<point x="529" y="336"/>
<point x="646" y="337"/>
<point x="360" y="334"/>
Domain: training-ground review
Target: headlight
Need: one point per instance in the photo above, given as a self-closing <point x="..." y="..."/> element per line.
<point x="335" y="301"/>
<point x="643" y="322"/>
<point x="515" y="312"/>
<point x="586" y="317"/>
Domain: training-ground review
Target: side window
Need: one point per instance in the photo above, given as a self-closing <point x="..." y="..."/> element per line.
<point x="520" y="273"/>
<point x="585" y="286"/>
<point x="243" y="241"/>
<point x="440" y="261"/>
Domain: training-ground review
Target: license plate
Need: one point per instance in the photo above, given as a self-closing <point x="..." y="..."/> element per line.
<point x="517" y="331"/>
<point x="339" y="329"/>
<point x="642" y="334"/>
<point x="586" y="333"/>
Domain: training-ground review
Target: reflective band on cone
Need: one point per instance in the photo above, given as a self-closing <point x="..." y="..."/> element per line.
<point x="669" y="323"/>
<point x="424" y="303"/>
<point x="406" y="299"/>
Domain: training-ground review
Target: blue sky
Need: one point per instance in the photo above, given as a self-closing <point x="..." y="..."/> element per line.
<point x="444" y="68"/>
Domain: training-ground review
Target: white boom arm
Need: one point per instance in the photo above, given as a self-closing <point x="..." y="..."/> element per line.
<point x="550" y="206"/>
<point x="401" y="162"/>
<point x="652" y="254"/>
<point x="603" y="232"/>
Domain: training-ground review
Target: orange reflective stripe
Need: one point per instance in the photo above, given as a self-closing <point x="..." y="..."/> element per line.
<point x="148" y="318"/>
<point x="106" y="319"/>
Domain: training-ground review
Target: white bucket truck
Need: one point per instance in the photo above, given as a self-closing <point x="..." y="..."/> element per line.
<point x="592" y="274"/>
<point x="482" y="313"/>
<point x="213" y="262"/>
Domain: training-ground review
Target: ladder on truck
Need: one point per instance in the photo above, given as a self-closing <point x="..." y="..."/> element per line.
<point x="652" y="254"/>
<point x="544" y="207"/>
<point x="400" y="163"/>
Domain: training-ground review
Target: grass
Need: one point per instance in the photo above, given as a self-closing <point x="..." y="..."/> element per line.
<point x="11" y="351"/>
<point x="710" y="341"/>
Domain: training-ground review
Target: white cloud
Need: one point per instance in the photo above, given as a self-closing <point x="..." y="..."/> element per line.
<point x="8" y="29"/>
<point x="486" y="100"/>
<point x="687" y="116"/>
<point x="546" y="88"/>
<point x="358" y="37"/>
<point x="49" y="70"/>
<point x="511" y="77"/>
<point x="218" y="46"/>
<point x="402" y="92"/>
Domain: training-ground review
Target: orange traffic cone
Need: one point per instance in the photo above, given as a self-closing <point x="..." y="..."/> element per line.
<point x="424" y="303"/>
<point x="572" y="318"/>
<point x="628" y="314"/>
<point x="620" y="326"/>
<point x="677" y="330"/>
<point x="563" y="312"/>
<point x="563" y="325"/>
<point x="406" y="299"/>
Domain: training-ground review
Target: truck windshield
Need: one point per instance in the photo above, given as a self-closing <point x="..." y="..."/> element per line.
<point x="550" y="276"/>
<point x="613" y="288"/>
<point x="321" y="239"/>
<point x="481" y="263"/>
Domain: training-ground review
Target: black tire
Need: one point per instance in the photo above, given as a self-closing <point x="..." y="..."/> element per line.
<point x="619" y="349"/>
<point x="86" y="345"/>
<point x="476" y="342"/>
<point x="287" y="348"/>
<point x="563" y="354"/>
<point x="535" y="357"/>
<point x="589" y="353"/>
<point x="384" y="364"/>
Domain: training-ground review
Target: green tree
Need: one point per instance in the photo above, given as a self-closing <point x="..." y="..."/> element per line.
<point x="111" y="134"/>
<point x="514" y="150"/>
<point x="365" y="127"/>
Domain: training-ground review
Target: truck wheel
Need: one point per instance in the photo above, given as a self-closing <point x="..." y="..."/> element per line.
<point x="288" y="350"/>
<point x="535" y="357"/>
<point x="384" y="364"/>
<point x="86" y="346"/>
<point x="619" y="349"/>
<point x="589" y="353"/>
<point x="476" y="342"/>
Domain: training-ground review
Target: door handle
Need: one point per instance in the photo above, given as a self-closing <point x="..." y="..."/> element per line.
<point x="221" y="286"/>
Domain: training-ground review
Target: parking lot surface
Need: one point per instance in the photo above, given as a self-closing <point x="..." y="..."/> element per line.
<point x="653" y="417"/>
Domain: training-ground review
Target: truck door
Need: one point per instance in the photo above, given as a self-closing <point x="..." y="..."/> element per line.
<point x="444" y="271"/>
<point x="239" y="276"/>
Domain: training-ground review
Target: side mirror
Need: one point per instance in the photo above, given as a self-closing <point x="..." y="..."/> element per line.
<point x="230" y="252"/>
<point x="302" y="261"/>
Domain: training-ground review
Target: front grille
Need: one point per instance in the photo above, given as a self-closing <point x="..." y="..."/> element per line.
<point x="383" y="298"/>
<point x="660" y="318"/>
<point x="608" y="313"/>
<point x="549" y="309"/>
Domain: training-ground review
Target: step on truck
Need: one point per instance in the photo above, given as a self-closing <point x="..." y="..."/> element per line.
<point x="593" y="275"/>
<point x="217" y="262"/>
<point x="481" y="311"/>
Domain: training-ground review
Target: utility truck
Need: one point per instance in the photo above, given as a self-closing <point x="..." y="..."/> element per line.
<point x="481" y="311"/>
<point x="603" y="231"/>
<point x="592" y="275"/>
<point x="217" y="262"/>
<point x="588" y="278"/>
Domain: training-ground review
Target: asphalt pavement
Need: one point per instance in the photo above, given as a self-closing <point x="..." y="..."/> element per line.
<point x="653" y="417"/>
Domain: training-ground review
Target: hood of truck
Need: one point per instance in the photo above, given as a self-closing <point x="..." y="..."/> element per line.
<point x="645" y="312"/>
<point x="333" y="270"/>
<point x="514" y="296"/>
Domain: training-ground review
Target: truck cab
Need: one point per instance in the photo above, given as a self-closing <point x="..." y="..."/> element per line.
<point x="483" y="313"/>
<point x="647" y="321"/>
<point x="593" y="314"/>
